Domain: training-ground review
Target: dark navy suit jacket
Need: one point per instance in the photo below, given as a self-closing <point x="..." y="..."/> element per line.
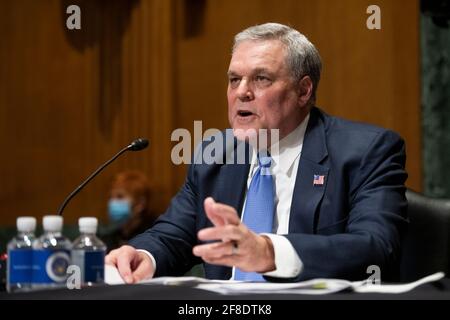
<point x="354" y="220"/>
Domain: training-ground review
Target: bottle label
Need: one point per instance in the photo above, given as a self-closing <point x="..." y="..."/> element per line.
<point x="20" y="262"/>
<point x="91" y="263"/>
<point x="50" y="266"/>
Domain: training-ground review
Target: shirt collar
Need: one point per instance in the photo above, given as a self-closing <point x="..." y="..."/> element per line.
<point x="285" y="152"/>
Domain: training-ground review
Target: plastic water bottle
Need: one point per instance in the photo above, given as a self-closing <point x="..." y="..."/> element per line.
<point x="51" y="255"/>
<point x="20" y="256"/>
<point x="88" y="252"/>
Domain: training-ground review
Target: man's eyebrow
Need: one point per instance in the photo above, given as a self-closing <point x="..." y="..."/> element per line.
<point x="231" y="73"/>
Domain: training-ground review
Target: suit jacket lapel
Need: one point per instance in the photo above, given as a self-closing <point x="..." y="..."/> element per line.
<point x="235" y="175"/>
<point x="307" y="195"/>
<point x="234" y="185"/>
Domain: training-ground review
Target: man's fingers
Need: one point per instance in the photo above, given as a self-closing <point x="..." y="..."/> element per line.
<point x="111" y="258"/>
<point x="209" y="208"/>
<point x="132" y="265"/>
<point x="224" y="233"/>
<point x="227" y="213"/>
<point x="220" y="214"/>
<point x="144" y="268"/>
<point x="124" y="265"/>
<point x="214" y="250"/>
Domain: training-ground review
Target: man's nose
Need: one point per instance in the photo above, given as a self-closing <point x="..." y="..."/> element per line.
<point x="244" y="91"/>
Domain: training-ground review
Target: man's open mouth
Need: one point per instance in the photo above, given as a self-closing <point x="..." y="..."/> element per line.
<point x="245" y="113"/>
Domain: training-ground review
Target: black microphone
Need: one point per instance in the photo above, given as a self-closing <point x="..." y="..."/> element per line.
<point x="136" y="145"/>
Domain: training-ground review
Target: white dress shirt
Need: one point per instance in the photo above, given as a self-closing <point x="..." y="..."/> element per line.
<point x="285" y="160"/>
<point x="286" y="157"/>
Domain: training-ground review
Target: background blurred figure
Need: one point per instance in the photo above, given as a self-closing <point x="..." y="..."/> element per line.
<point x="128" y="208"/>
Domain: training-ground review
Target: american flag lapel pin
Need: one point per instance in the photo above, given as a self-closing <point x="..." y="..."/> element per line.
<point x="318" y="180"/>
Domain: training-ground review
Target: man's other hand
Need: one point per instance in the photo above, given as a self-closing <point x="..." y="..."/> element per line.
<point x="238" y="246"/>
<point x="133" y="265"/>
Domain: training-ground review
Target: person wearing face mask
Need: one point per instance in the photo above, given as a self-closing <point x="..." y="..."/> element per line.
<point x="128" y="208"/>
<point x="119" y="210"/>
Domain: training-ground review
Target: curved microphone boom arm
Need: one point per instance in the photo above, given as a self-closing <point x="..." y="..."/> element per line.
<point x="136" y="145"/>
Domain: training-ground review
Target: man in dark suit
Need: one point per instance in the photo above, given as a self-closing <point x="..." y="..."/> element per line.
<point x="326" y="200"/>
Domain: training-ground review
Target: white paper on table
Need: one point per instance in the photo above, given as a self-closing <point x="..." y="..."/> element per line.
<point x="316" y="286"/>
<point x="112" y="275"/>
<point x="313" y="287"/>
<point x="398" y="288"/>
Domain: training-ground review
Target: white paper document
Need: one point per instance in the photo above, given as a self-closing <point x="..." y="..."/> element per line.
<point x="399" y="288"/>
<point x="315" y="286"/>
<point x="312" y="287"/>
<point x="112" y="275"/>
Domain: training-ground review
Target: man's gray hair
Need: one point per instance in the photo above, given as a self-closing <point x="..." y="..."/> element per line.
<point x="302" y="56"/>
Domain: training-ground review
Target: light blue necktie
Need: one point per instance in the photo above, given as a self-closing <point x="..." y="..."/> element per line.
<point x="259" y="209"/>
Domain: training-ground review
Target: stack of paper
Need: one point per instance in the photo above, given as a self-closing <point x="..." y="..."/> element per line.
<point x="315" y="286"/>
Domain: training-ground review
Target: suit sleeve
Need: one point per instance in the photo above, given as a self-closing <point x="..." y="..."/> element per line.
<point x="376" y="219"/>
<point x="171" y="239"/>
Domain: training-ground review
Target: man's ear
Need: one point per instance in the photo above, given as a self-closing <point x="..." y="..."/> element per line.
<point x="305" y="90"/>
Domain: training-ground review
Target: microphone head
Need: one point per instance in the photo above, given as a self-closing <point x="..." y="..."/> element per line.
<point x="138" y="144"/>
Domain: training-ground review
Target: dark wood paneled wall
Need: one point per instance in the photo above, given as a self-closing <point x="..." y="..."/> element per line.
<point x="71" y="99"/>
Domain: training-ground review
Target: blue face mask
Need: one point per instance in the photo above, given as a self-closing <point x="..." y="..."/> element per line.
<point x="119" y="210"/>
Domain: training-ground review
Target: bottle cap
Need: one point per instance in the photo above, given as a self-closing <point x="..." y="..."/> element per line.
<point x="88" y="224"/>
<point x="26" y="224"/>
<point x="52" y="223"/>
